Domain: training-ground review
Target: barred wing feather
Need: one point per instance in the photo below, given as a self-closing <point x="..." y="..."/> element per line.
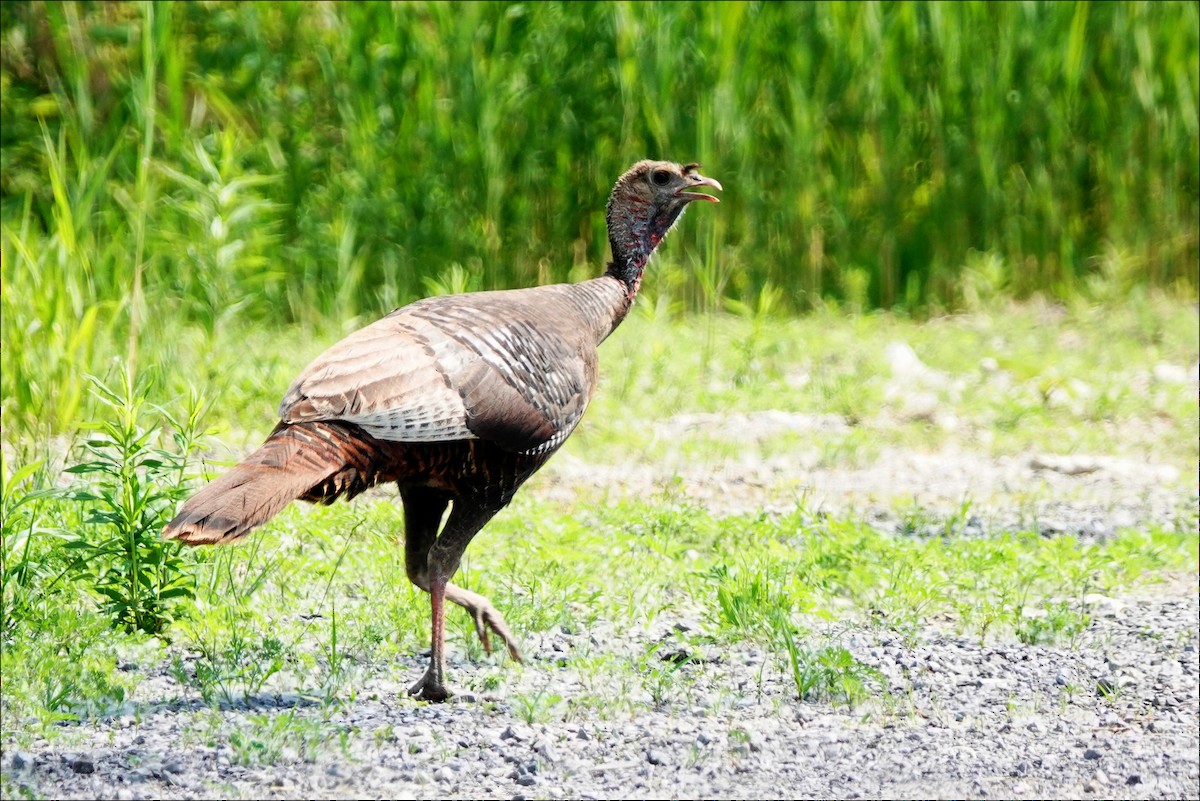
<point x="441" y="370"/>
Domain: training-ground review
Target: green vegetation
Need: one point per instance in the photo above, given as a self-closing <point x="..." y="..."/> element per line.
<point x="118" y="547"/>
<point x="196" y="199"/>
<point x="322" y="603"/>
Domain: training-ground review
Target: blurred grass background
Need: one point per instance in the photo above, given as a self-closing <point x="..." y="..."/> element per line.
<point x="212" y="166"/>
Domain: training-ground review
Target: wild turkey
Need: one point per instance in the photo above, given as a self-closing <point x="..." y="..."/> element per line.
<point x="458" y="399"/>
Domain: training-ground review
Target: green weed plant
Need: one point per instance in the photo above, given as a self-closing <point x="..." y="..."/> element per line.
<point x="132" y="486"/>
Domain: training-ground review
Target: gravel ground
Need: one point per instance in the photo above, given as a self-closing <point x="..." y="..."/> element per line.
<point x="1114" y="715"/>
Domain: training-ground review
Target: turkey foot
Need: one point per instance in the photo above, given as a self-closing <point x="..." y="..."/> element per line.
<point x="486" y="617"/>
<point x="430" y="688"/>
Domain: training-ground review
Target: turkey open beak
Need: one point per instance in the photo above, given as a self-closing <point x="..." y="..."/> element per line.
<point x="699" y="180"/>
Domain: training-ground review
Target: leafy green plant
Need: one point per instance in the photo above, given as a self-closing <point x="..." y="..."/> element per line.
<point x="27" y="571"/>
<point x="133" y="487"/>
<point x="268" y="739"/>
<point x="231" y="665"/>
<point x="222" y="229"/>
<point x="826" y="673"/>
<point x="910" y="592"/>
<point x="748" y="598"/>
<point x="63" y="670"/>
<point x="538" y="706"/>
<point x="1050" y="623"/>
<point x="663" y="670"/>
<point x="338" y="664"/>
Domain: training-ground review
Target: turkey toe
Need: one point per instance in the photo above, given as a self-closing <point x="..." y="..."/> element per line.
<point x="429" y="689"/>
<point x="487" y="619"/>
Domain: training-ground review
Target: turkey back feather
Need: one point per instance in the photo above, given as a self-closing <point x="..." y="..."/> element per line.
<point x="515" y="368"/>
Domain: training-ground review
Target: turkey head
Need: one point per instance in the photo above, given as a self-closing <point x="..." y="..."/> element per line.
<point x="646" y="203"/>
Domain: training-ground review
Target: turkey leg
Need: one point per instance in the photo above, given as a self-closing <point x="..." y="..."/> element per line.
<point x="431" y="560"/>
<point x="423" y="510"/>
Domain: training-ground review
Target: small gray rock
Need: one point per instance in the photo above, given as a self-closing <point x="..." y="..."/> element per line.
<point x="1092" y="753"/>
<point x="20" y="761"/>
<point x="656" y="757"/>
<point x="547" y="752"/>
<point x="1133" y="779"/>
<point x="82" y="764"/>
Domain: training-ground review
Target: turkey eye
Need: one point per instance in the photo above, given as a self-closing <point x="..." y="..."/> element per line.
<point x="661" y="177"/>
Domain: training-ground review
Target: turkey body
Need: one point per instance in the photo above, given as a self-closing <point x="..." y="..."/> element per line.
<point x="457" y="399"/>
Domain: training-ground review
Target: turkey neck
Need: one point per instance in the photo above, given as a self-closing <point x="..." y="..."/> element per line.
<point x="600" y="304"/>
<point x="635" y="229"/>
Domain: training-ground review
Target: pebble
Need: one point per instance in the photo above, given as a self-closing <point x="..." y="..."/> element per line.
<point x="82" y="764"/>
<point x="547" y="752"/>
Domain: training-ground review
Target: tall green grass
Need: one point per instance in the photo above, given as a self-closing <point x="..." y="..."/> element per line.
<point x="219" y="163"/>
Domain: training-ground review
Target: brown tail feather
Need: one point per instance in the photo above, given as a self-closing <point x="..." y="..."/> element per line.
<point x="316" y="461"/>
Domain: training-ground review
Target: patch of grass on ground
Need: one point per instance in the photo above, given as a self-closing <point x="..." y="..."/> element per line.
<point x="1117" y="380"/>
<point x="319" y="600"/>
